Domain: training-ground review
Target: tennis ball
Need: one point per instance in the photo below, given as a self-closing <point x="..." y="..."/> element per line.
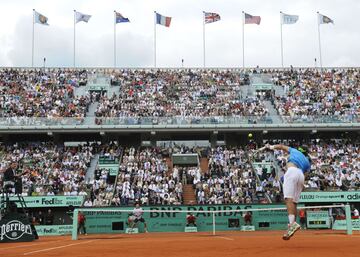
<point x="250" y="135"/>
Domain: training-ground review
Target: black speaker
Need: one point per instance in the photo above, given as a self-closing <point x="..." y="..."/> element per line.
<point x="118" y="225"/>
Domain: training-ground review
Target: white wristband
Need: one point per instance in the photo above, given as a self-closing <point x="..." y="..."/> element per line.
<point x="271" y="147"/>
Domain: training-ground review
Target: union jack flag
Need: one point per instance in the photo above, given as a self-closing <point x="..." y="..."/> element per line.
<point x="211" y="17"/>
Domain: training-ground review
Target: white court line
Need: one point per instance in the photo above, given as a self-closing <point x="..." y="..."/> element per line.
<point x="35" y="244"/>
<point x="58" y="247"/>
<point x="19" y="246"/>
<point x="226" y="238"/>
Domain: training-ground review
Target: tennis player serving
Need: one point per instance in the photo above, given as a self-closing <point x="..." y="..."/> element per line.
<point x="297" y="164"/>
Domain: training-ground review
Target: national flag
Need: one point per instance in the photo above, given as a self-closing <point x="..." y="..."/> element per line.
<point x="289" y="19"/>
<point x="211" y="17"/>
<point x="163" y="20"/>
<point x="249" y="19"/>
<point x="41" y="19"/>
<point x="324" y="19"/>
<point x="119" y="18"/>
<point x="82" y="17"/>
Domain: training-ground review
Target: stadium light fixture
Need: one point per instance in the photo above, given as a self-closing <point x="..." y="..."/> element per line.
<point x="215" y="132"/>
<point x="102" y="133"/>
<point x="49" y="133"/>
<point x="153" y="133"/>
<point x="314" y="131"/>
<point x="265" y="132"/>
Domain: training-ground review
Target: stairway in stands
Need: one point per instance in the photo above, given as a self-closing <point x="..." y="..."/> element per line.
<point x="90" y="172"/>
<point x="204" y="165"/>
<point x="170" y="165"/>
<point x="189" y="194"/>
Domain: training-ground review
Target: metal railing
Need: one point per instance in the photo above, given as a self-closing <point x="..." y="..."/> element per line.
<point x="175" y="120"/>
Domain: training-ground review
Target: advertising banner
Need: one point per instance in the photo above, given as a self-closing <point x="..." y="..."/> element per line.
<point x="341" y="224"/>
<point x="15" y="227"/>
<point x="117" y="222"/>
<point x="51" y="201"/>
<point x="54" y="230"/>
<point x="330" y="197"/>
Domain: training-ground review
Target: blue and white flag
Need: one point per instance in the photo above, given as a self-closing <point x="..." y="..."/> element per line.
<point x="41" y="19"/>
<point x="119" y="18"/>
<point x="289" y="19"/>
<point x="324" y="19"/>
<point x="82" y="17"/>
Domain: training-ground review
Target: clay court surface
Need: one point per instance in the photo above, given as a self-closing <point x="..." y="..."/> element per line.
<point x="265" y="243"/>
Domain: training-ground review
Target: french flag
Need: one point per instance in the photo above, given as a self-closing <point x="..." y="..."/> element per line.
<point x="163" y="20"/>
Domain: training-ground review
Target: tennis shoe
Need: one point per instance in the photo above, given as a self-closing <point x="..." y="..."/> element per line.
<point x="291" y="231"/>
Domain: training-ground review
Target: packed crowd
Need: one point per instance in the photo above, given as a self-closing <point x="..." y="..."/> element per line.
<point x="144" y="176"/>
<point x="268" y="178"/>
<point x="335" y="165"/>
<point x="101" y="185"/>
<point x="178" y="97"/>
<point x="230" y="178"/>
<point x="49" y="94"/>
<point x="49" y="169"/>
<point x="332" y="95"/>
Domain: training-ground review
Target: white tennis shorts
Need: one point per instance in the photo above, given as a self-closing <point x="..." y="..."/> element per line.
<point x="293" y="183"/>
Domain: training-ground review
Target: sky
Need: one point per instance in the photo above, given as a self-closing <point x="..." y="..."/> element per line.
<point x="340" y="42"/>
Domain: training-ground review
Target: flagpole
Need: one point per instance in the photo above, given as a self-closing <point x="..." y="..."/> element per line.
<point x="114" y="39"/>
<point x="74" y="37"/>
<point x="243" y="40"/>
<point x="155" y="39"/>
<point x="281" y="38"/>
<point x="204" y="39"/>
<point x="319" y="40"/>
<point x="33" y="41"/>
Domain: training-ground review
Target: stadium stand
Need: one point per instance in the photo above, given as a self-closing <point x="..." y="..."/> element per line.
<point x="314" y="96"/>
<point x="38" y="97"/>
<point x="178" y="96"/>
<point x="184" y="96"/>
<point x="144" y="176"/>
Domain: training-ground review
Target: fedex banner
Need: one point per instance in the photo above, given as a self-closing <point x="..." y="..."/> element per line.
<point x="51" y="201"/>
<point x="53" y="230"/>
<point x="330" y="197"/>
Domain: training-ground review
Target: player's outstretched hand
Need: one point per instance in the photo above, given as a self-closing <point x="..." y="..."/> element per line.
<point x="269" y="147"/>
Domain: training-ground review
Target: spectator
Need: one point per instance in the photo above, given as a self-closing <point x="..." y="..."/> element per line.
<point x="40" y="218"/>
<point x="88" y="203"/>
<point x="302" y="216"/>
<point x="355" y="213"/>
<point x="190" y="220"/>
<point x="49" y="218"/>
<point x="248" y="218"/>
<point x="81" y="223"/>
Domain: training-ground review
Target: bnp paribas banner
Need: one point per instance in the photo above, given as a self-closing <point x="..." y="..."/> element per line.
<point x="113" y="221"/>
<point x="51" y="201"/>
<point x="330" y="197"/>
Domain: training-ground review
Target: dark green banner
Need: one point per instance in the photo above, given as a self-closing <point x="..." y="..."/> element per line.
<point x="115" y="222"/>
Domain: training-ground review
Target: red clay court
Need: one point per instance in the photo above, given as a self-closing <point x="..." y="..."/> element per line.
<point x="260" y="243"/>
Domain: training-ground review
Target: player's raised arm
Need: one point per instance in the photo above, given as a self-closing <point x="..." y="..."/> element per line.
<point x="277" y="147"/>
